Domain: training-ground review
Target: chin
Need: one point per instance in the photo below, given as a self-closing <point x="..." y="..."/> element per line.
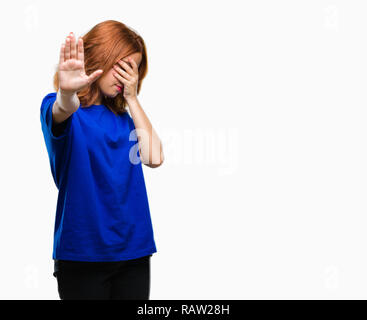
<point x="112" y="95"/>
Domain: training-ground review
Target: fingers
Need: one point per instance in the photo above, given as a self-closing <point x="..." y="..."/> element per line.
<point x="80" y="50"/>
<point x="93" y="77"/>
<point x="67" y="48"/>
<point x="72" y="50"/>
<point x="72" y="46"/>
<point x="119" y="77"/>
<point x="62" y="53"/>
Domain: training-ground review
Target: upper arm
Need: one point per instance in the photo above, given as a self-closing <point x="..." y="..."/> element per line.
<point x="59" y="128"/>
<point x="56" y="137"/>
<point x="52" y="130"/>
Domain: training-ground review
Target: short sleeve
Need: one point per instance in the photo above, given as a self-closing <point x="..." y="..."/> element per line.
<point x="56" y="131"/>
<point x="56" y="137"/>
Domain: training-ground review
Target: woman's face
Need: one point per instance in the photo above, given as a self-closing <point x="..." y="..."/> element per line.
<point x="108" y="83"/>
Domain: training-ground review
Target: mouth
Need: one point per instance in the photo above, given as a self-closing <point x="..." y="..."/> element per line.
<point x="119" y="88"/>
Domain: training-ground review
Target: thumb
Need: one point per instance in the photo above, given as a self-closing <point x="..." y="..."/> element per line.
<point x="93" y="77"/>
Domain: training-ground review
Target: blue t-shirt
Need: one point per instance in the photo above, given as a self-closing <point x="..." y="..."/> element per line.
<point x="102" y="211"/>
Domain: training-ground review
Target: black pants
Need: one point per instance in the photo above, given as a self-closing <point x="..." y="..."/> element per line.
<point x="120" y="280"/>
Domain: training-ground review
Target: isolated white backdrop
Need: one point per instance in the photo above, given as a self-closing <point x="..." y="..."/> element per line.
<point x="261" y="108"/>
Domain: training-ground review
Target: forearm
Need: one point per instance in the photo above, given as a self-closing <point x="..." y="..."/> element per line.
<point x="150" y="146"/>
<point x="65" y="105"/>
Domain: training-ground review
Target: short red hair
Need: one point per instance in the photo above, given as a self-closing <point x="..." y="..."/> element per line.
<point x="104" y="45"/>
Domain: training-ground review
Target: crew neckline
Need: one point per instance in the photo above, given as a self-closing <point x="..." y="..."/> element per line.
<point x="103" y="105"/>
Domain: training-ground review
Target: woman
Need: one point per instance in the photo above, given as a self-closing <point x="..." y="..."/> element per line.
<point x="103" y="237"/>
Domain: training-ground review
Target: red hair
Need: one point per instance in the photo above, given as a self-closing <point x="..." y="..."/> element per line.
<point x="105" y="44"/>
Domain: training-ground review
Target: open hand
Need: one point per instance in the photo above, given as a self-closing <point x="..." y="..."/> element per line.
<point x="128" y="78"/>
<point x="72" y="76"/>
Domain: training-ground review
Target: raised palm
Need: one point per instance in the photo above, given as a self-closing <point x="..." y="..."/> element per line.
<point x="72" y="76"/>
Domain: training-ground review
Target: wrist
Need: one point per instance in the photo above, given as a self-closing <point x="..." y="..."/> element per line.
<point x="131" y="99"/>
<point x="66" y="93"/>
<point x="68" y="102"/>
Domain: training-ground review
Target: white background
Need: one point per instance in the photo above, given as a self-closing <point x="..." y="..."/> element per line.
<point x="261" y="108"/>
